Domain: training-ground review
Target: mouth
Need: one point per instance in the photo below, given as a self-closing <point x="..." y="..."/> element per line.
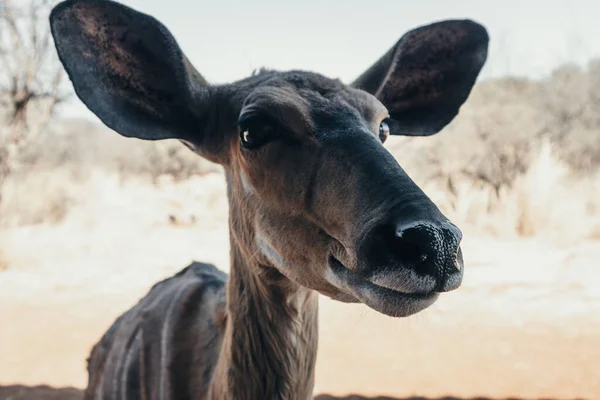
<point x="382" y="299"/>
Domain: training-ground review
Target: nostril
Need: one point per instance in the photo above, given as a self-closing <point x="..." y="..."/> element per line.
<point x="413" y="245"/>
<point x="407" y="251"/>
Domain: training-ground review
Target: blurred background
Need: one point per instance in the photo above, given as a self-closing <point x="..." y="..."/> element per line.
<point x="90" y="220"/>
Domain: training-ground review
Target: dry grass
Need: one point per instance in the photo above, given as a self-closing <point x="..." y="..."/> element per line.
<point x="70" y="169"/>
<point x="547" y="198"/>
<point x="44" y="196"/>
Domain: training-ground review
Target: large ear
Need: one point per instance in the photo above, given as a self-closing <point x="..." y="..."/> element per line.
<point x="425" y="78"/>
<point x="128" y="69"/>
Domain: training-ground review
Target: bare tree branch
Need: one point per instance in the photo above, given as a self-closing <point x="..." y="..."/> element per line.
<point x="30" y="74"/>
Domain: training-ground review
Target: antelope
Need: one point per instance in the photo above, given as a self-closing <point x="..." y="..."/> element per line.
<point x="317" y="204"/>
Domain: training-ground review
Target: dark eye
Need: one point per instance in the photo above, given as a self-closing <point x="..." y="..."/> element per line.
<point x="384" y="131"/>
<point x="256" y="132"/>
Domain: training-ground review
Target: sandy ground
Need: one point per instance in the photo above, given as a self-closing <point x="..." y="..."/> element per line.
<point x="525" y="323"/>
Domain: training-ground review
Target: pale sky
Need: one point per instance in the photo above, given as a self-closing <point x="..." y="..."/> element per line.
<point x="226" y="40"/>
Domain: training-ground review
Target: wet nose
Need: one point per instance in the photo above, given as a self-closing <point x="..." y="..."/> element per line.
<point x="430" y="249"/>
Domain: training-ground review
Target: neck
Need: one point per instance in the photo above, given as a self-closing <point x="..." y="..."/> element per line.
<point x="270" y="341"/>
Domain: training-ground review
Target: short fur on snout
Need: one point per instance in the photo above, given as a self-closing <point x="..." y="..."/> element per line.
<point x="316" y="201"/>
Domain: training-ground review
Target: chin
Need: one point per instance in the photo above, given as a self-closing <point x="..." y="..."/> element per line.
<point x="394" y="303"/>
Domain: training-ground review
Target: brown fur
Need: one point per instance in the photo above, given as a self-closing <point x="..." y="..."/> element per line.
<point x="319" y="206"/>
<point x="151" y="351"/>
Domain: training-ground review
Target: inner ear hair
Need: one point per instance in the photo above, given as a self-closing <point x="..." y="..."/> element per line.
<point x="427" y="75"/>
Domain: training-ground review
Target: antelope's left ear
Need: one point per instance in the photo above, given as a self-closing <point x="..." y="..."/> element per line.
<point x="425" y="78"/>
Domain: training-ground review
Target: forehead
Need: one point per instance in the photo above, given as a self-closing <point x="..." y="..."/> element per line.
<point x="303" y="99"/>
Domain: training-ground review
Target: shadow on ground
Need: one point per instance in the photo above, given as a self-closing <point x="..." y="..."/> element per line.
<point x="20" y="392"/>
<point x="359" y="397"/>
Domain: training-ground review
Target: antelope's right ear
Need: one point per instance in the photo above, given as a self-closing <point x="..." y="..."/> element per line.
<point x="128" y="70"/>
